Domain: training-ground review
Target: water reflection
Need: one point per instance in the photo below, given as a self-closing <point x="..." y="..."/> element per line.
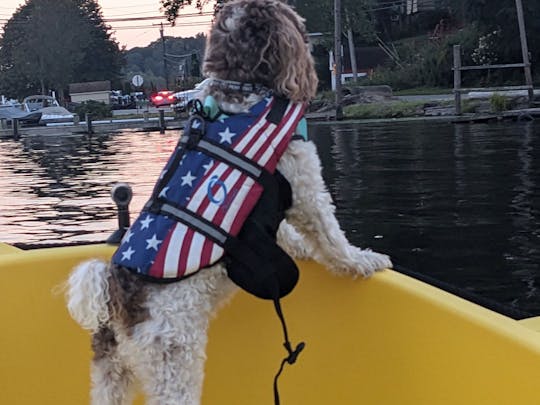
<point x="57" y="188"/>
<point x="456" y="202"/>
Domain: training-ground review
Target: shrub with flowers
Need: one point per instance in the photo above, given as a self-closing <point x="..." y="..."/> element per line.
<point x="486" y="51"/>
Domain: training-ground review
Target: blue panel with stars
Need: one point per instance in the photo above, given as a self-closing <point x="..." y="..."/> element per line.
<point x="149" y="232"/>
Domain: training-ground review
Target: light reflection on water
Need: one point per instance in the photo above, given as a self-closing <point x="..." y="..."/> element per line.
<point x="456" y="202"/>
<point x="57" y="188"/>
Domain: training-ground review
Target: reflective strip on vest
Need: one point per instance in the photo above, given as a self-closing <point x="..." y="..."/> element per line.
<point x="206" y="199"/>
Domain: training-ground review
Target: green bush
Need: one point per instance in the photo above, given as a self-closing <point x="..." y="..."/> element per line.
<point x="498" y="102"/>
<point x="427" y="63"/>
<point x="98" y="109"/>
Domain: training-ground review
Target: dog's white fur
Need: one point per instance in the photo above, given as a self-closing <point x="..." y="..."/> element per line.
<point x="165" y="352"/>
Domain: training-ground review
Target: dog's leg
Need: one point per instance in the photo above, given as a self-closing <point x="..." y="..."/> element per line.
<point x="292" y="242"/>
<point x="312" y="214"/>
<point x="175" y="375"/>
<point x="171" y="344"/>
<point x="112" y="382"/>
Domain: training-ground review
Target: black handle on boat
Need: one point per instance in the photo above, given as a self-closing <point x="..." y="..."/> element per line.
<point x="121" y="194"/>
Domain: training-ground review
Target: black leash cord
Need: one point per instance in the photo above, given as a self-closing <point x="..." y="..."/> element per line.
<point x="292" y="354"/>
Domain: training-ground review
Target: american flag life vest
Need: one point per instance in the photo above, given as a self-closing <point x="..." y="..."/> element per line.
<point x="207" y="189"/>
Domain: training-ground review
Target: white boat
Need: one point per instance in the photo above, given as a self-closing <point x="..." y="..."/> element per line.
<point x="10" y="112"/>
<point x="51" y="111"/>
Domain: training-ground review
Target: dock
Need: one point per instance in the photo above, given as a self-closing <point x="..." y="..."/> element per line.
<point x="97" y="127"/>
<point x="526" y="114"/>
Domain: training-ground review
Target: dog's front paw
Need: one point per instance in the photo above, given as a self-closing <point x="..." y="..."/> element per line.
<point x="369" y="262"/>
<point x="363" y="262"/>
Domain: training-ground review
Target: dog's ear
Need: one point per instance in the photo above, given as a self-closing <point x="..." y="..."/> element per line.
<point x="296" y="77"/>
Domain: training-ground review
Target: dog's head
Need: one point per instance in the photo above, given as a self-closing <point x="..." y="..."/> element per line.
<point x="263" y="42"/>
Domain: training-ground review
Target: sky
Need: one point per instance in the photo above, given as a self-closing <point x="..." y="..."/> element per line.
<point x="140" y="32"/>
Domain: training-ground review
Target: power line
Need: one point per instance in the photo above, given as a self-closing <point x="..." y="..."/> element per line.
<point x="161" y="17"/>
<point x="128" y="14"/>
<point x="132" y="6"/>
<point x="137" y="27"/>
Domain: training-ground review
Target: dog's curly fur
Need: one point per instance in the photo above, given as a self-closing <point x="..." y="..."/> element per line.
<point x="157" y="333"/>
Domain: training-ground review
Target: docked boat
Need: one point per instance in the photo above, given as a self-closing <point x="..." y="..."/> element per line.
<point x="10" y="112"/>
<point x="50" y="109"/>
<point x="390" y="339"/>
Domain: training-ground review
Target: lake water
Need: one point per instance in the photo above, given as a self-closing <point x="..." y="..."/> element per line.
<point x="459" y="203"/>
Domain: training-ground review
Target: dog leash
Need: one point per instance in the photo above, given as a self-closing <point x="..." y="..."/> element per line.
<point x="292" y="354"/>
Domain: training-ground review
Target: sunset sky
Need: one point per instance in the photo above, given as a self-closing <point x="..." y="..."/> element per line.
<point x="140" y="32"/>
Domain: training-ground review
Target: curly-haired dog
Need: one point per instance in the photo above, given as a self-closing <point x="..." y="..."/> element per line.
<point x="156" y="333"/>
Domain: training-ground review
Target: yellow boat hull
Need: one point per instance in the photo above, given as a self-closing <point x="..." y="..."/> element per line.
<point x="386" y="340"/>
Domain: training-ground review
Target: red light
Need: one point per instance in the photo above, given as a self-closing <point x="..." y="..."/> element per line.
<point x="158" y="98"/>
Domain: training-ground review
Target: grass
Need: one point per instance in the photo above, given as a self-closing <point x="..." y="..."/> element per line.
<point x="396" y="109"/>
<point x="422" y="91"/>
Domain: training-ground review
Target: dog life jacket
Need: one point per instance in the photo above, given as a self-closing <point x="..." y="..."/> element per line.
<point x="207" y="190"/>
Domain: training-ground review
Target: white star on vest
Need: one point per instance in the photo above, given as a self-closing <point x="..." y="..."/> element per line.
<point x="208" y="166"/>
<point x="126" y="255"/>
<point x="127" y="236"/>
<point x="145" y="223"/>
<point x="226" y="136"/>
<point x="163" y="192"/>
<point x="188" y="179"/>
<point x="153" y="243"/>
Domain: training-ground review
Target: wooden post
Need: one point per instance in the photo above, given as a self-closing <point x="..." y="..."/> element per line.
<point x="89" y="128"/>
<point x="525" y="51"/>
<point x="161" y="121"/>
<point x="337" y="57"/>
<point x="457" y="78"/>
<point x="15" y="124"/>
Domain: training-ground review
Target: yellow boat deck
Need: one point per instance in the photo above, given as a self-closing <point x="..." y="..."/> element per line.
<point x="387" y="340"/>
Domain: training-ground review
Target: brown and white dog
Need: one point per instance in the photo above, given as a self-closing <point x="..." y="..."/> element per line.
<point x="156" y="334"/>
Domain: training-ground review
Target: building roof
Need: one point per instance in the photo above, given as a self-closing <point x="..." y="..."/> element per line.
<point x="89" y="87"/>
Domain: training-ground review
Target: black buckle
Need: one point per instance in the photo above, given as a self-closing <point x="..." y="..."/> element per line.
<point x="194" y="131"/>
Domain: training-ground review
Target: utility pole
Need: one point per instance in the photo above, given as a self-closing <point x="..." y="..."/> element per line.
<point x="525" y="51"/>
<point x="165" y="69"/>
<point x="352" y="55"/>
<point x="337" y="57"/>
<point x="352" y="50"/>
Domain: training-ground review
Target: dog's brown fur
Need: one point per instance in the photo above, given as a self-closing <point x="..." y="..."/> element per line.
<point x="264" y="51"/>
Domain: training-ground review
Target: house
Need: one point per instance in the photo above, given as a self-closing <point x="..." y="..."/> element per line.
<point x="367" y="59"/>
<point x="97" y="91"/>
<point x="415" y="6"/>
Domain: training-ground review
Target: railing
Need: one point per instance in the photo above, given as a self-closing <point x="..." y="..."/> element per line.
<point x="457" y="78"/>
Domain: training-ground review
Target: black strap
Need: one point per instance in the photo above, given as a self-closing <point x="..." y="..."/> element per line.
<point x="276" y="113"/>
<point x="230" y="157"/>
<point x="292" y="354"/>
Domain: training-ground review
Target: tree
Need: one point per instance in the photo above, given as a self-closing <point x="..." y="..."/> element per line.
<point x="48" y="44"/>
<point x="172" y="7"/>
